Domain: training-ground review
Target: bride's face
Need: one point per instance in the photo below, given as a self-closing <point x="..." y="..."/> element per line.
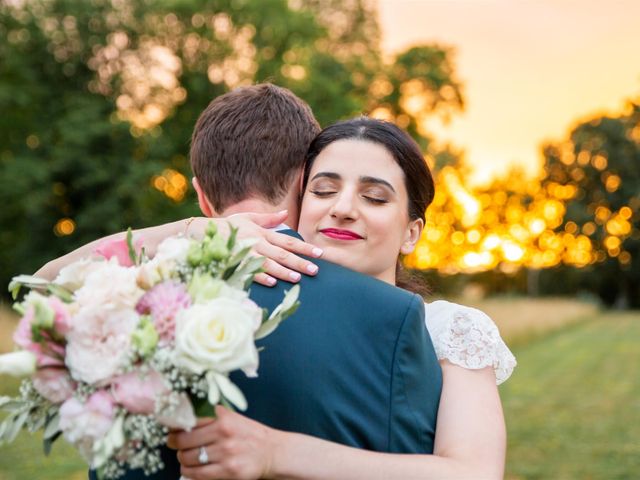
<point x="355" y="207"/>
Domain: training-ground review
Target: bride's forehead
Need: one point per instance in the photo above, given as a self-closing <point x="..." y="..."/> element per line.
<point x="356" y="156"/>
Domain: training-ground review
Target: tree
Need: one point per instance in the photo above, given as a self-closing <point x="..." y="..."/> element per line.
<point x="600" y="161"/>
<point x="99" y="98"/>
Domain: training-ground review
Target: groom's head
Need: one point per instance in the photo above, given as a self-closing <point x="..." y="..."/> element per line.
<point x="250" y="144"/>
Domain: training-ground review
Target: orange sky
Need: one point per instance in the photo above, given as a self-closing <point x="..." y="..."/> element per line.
<point x="530" y="68"/>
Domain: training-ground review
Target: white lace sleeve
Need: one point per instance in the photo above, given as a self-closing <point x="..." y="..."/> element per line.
<point x="468" y="337"/>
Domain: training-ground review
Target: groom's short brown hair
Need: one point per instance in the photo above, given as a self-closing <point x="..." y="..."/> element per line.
<point x="251" y="142"/>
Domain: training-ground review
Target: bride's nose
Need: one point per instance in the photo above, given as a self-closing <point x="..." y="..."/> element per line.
<point x="344" y="206"/>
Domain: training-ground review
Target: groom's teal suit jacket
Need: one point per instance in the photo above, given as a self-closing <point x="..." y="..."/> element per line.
<point x="354" y="365"/>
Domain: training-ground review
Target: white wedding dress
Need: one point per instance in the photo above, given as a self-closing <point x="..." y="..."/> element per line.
<point x="467" y="337"/>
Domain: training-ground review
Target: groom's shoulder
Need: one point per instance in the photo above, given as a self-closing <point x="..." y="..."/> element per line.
<point x="332" y="276"/>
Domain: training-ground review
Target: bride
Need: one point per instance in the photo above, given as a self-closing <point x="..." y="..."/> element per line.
<point x="365" y="195"/>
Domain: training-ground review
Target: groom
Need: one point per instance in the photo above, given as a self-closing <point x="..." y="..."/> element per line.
<point x="354" y="364"/>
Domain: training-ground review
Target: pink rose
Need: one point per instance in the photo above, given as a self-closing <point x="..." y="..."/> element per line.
<point x="119" y="249"/>
<point x="54" y="384"/>
<point x="137" y="391"/>
<point x="85" y="423"/>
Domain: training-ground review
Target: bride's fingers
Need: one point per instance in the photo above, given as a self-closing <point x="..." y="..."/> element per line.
<point x="293" y="244"/>
<point x="275" y="270"/>
<point x="265" y="279"/>
<point x="283" y="264"/>
<point x="191" y="457"/>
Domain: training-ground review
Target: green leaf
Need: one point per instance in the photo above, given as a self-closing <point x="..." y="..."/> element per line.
<point x="60" y="292"/>
<point x="243" y="276"/>
<point x="52" y="427"/>
<point x="288" y="306"/>
<point x="29" y="281"/>
<point x="231" y="242"/>
<point x="132" y="251"/>
<point x="203" y="408"/>
<point x="47" y="443"/>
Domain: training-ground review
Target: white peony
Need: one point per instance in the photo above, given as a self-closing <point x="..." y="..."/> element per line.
<point x="218" y="335"/>
<point x="99" y="342"/>
<point x="111" y="286"/>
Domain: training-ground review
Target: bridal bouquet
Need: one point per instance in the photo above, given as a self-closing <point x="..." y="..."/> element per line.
<point x="120" y="348"/>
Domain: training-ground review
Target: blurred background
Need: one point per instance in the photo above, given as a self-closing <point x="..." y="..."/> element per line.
<point x="527" y="110"/>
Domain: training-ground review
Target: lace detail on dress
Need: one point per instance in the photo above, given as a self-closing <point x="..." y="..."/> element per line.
<point x="467" y="337"/>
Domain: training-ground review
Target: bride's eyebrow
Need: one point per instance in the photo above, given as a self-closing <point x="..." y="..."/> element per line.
<point x="331" y="175"/>
<point x="377" y="180"/>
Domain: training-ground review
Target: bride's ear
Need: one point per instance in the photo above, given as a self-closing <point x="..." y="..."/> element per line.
<point x="203" y="201"/>
<point x="414" y="230"/>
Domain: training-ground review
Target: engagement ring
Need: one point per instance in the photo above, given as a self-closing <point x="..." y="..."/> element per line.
<point x="203" y="458"/>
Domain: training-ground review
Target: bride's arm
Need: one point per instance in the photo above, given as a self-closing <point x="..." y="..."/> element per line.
<point x="280" y="250"/>
<point x="470" y="443"/>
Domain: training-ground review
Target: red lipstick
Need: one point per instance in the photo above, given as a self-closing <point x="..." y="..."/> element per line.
<point x="340" y="234"/>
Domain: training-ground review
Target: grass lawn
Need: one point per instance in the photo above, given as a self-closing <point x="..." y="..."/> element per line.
<point x="572" y="407"/>
<point x="573" y="404"/>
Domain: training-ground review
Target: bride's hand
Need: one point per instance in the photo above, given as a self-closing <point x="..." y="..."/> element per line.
<point x="236" y="447"/>
<point x="281" y="251"/>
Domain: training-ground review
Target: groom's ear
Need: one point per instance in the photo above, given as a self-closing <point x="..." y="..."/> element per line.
<point x="205" y="206"/>
<point x="414" y="230"/>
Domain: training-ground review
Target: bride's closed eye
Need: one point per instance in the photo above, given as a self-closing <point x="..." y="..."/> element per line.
<point x="322" y="193"/>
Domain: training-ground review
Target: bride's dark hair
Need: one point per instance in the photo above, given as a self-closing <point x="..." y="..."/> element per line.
<point x="405" y="151"/>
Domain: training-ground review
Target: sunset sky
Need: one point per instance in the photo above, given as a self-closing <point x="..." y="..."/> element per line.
<point x="530" y="68"/>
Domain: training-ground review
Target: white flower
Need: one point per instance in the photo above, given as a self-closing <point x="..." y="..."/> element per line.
<point x="203" y="288"/>
<point x="18" y="364"/>
<point x="170" y="253"/>
<point x="110" y="286"/>
<point x="72" y="276"/>
<point x="104" y="447"/>
<point x="99" y="342"/>
<point x="218" y="336"/>
<point x="84" y="424"/>
<point x="173" y="249"/>
<point x="179" y="415"/>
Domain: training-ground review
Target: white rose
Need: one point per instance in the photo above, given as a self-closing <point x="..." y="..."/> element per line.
<point x="99" y="342"/>
<point x="110" y="286"/>
<point x="72" y="276"/>
<point x="218" y="336"/>
<point x="18" y="364"/>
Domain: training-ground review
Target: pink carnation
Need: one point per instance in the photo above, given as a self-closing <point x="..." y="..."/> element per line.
<point x="163" y="302"/>
<point x="119" y="249"/>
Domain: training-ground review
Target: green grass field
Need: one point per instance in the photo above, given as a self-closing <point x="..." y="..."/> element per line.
<point x="572" y="408"/>
<point x="573" y="404"/>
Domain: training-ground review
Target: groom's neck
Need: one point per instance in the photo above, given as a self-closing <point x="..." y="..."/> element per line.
<point x="256" y="205"/>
